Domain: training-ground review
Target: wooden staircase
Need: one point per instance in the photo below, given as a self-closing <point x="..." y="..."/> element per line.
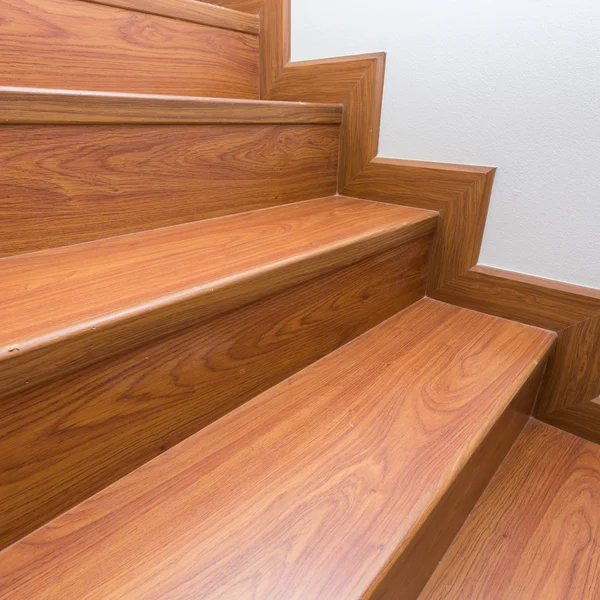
<point x="220" y="377"/>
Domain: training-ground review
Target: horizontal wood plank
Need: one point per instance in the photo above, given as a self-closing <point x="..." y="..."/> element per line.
<point x="65" y="184"/>
<point x="291" y="498"/>
<point x="85" y="46"/>
<point x="63" y="308"/>
<point x="42" y="106"/>
<point x="250" y="6"/>
<point x="62" y="442"/>
<point x="534" y="533"/>
<point x="194" y="11"/>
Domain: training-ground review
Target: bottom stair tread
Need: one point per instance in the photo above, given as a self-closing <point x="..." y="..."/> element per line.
<point x="534" y="534"/>
<point x="311" y="490"/>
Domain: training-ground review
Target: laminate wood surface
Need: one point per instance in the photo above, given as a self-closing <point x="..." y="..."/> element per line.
<point x="66" y="184"/>
<point x="193" y="11"/>
<point x="66" y="307"/>
<point x="460" y="194"/>
<point x="300" y="493"/>
<point x="573" y="376"/>
<point x="534" y="533"/>
<point x="291" y="498"/>
<point x="80" y="45"/>
<point x="41" y="106"/>
<point x="250" y="6"/>
<point x="62" y="442"/>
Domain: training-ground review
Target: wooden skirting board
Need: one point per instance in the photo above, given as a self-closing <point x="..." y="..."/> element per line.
<point x="570" y="395"/>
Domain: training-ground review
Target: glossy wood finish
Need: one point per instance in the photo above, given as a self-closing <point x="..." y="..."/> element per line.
<point x="81" y="45"/>
<point x="66" y="184"/>
<point x="64" y="308"/>
<point x="534" y="533"/>
<point x="194" y="11"/>
<point x="41" y="106"/>
<point x="573" y="376"/>
<point x="62" y="442"/>
<point x="460" y="193"/>
<point x="300" y="493"/>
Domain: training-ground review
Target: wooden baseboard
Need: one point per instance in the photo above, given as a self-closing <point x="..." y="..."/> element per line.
<point x="461" y="194"/>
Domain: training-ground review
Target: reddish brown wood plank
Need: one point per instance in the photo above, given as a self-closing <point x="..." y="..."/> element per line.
<point x="79" y="45"/>
<point x="250" y="6"/>
<point x="64" y="308"/>
<point x="460" y="194"/>
<point x="42" y="106"/>
<point x="67" y="184"/>
<point x="301" y="492"/>
<point x="194" y="11"/>
<point x="534" y="533"/>
<point x="62" y="442"/>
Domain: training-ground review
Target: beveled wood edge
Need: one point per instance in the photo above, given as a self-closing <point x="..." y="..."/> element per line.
<point x="51" y="356"/>
<point x="193" y="11"/>
<point x="21" y="106"/>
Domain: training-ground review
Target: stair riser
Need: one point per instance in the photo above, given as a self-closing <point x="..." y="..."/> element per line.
<point x="61" y="443"/>
<point x="407" y="576"/>
<point x="79" y="45"/>
<point x="66" y="184"/>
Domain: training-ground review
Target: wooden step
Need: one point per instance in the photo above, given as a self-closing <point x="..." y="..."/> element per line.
<point x="534" y="533"/>
<point x="63" y="308"/>
<point x="347" y="480"/>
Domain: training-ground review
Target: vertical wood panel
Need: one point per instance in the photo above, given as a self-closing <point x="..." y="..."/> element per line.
<point x="67" y="184"/>
<point x="78" y="45"/>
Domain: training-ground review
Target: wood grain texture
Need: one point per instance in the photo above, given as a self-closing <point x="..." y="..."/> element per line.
<point x="291" y="498"/>
<point x="64" y="308"/>
<point x="534" y="533"/>
<point x="407" y="577"/>
<point x="80" y="45"/>
<point x="193" y="11"/>
<point x="66" y="184"/>
<point x="62" y="442"/>
<point x="459" y="193"/>
<point x="41" y="106"/>
<point x="250" y="6"/>
<point x="573" y="375"/>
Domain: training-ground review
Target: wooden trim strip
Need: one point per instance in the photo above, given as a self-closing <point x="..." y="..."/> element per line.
<point x="192" y="11"/>
<point x="248" y="6"/>
<point x="42" y="106"/>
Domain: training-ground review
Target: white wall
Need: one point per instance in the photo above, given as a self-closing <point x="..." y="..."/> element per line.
<point x="508" y="83"/>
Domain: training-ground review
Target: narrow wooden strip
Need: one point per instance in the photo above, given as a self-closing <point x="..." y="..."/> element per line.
<point x="41" y="106"/>
<point x="250" y="6"/>
<point x="193" y="11"/>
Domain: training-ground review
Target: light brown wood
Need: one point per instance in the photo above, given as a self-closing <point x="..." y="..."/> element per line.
<point x="534" y="533"/>
<point x="460" y="194"/>
<point x="79" y="45"/>
<point x="300" y="493"/>
<point x="66" y="184"/>
<point x="62" y="442"/>
<point x="63" y="308"/>
<point x="573" y="375"/>
<point x="250" y="6"/>
<point x="42" y="106"/>
<point x="191" y="10"/>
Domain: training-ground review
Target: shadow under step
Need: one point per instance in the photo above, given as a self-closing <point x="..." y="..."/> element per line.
<point x="534" y="533"/>
<point x="348" y="480"/>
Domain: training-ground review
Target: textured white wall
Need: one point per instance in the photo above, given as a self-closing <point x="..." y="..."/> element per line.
<point x="508" y="83"/>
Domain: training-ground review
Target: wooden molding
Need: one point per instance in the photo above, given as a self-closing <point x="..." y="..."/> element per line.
<point x="252" y="7"/>
<point x="21" y="106"/>
<point x="195" y="12"/>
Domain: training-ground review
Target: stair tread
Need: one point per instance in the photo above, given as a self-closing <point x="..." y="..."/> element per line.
<point x="310" y="489"/>
<point x="43" y="106"/>
<point x="200" y="268"/>
<point x="533" y="533"/>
